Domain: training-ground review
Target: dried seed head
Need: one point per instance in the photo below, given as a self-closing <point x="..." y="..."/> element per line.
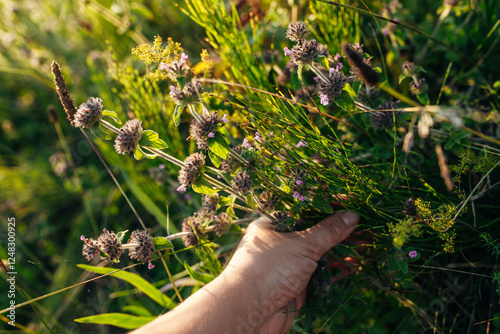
<point x="281" y="222"/>
<point x="90" y="248"/>
<point x="176" y="70"/>
<point x="230" y="164"/>
<point x="200" y="131"/>
<point x="268" y="200"/>
<point x="192" y="167"/>
<point x="305" y="53"/>
<point x="334" y="86"/>
<point x="297" y="31"/>
<point x="111" y="245"/>
<point x="209" y="203"/>
<point x="385" y="118"/>
<point x="222" y="224"/>
<point x="410" y="208"/>
<point x="192" y="225"/>
<point x="129" y="136"/>
<point x="145" y="245"/>
<point x="88" y="113"/>
<point x="242" y="182"/>
<point x="189" y="95"/>
<point x="360" y="66"/>
<point x="62" y="91"/>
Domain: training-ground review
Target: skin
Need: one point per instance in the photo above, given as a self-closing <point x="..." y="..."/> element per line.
<point x="263" y="284"/>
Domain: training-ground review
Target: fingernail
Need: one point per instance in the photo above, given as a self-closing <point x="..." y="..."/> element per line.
<point x="350" y="219"/>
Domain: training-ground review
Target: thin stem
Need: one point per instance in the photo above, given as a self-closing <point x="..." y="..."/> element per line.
<point x="194" y="113"/>
<point x="171" y="278"/>
<point x="318" y="72"/>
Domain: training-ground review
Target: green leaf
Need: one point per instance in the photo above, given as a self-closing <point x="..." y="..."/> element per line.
<point x="423" y="98"/>
<point x="98" y="132"/>
<point x="230" y="212"/>
<point x="345" y="101"/>
<point x="140" y="283"/>
<point x="162" y="243"/>
<point x="402" y="77"/>
<point x="177" y="115"/>
<point x="320" y="203"/>
<point x="299" y="72"/>
<point x="137" y="310"/>
<point x="151" y="139"/>
<point x="225" y="200"/>
<point x="348" y="88"/>
<point x="324" y="61"/>
<point x="200" y="277"/>
<point x="251" y="203"/>
<point x="121" y="234"/>
<point x="403" y="265"/>
<point x="140" y="154"/>
<point x="218" y="145"/>
<point x="121" y="320"/>
<point x="113" y="115"/>
<point x="202" y="186"/>
<point x="214" y="158"/>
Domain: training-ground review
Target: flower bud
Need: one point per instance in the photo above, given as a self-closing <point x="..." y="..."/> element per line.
<point x="129" y="136"/>
<point x="88" y="113"/>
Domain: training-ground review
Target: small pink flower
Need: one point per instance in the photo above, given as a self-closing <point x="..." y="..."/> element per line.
<point x="82" y="238"/>
<point x="301" y="198"/>
<point x="324" y="99"/>
<point x="204" y="110"/>
<point x="337" y="57"/>
<point x="257" y="136"/>
<point x="211" y="135"/>
<point x="163" y="66"/>
<point x="224" y="119"/>
<point x="295" y="194"/>
<point x="316" y="79"/>
<point x="271" y="134"/>
<point x="184" y="57"/>
<point x="181" y="189"/>
<point x="302" y="143"/>
<point x="299" y="182"/>
<point x="150" y="265"/>
<point x="287" y="52"/>
<point x="413" y="254"/>
<point x="246" y="144"/>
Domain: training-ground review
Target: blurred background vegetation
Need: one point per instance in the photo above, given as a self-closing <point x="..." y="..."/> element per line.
<point x="57" y="189"/>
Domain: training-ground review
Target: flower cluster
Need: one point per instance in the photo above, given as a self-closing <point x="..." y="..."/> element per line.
<point x="209" y="204"/>
<point x="231" y="164"/>
<point x="140" y="246"/>
<point x="385" y="118"/>
<point x="281" y="222"/>
<point x="299" y="184"/>
<point x="129" y="136"/>
<point x="332" y="86"/>
<point x="193" y="226"/>
<point x="242" y="182"/>
<point x="201" y="131"/>
<point x="190" y="94"/>
<point x="305" y="51"/>
<point x="189" y="173"/>
<point x="222" y="224"/>
<point x="176" y="69"/>
<point x="268" y="200"/>
<point x="88" y="113"/>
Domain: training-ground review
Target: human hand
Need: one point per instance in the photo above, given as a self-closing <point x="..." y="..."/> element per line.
<point x="274" y="269"/>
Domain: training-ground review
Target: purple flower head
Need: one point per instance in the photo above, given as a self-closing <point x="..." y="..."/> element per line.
<point x="299" y="182"/>
<point x="82" y="238"/>
<point x="296" y="194"/>
<point x="301" y="198"/>
<point x="271" y="134"/>
<point x="211" y="135"/>
<point x="413" y="254"/>
<point x="184" y="57"/>
<point x="163" y="66"/>
<point x="316" y="79"/>
<point x="257" y="136"/>
<point x="287" y="52"/>
<point x="224" y="119"/>
<point x="246" y="144"/>
<point x="324" y="99"/>
<point x="204" y="110"/>
<point x="162" y="166"/>
<point x="181" y="189"/>
<point x="150" y="265"/>
<point x="337" y="57"/>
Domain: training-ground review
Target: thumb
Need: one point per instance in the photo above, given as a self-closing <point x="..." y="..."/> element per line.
<point x="331" y="230"/>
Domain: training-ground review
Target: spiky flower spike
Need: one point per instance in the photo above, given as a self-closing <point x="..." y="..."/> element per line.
<point x="111" y="245"/>
<point x="361" y="68"/>
<point x="201" y="131"/>
<point x="297" y="31"/>
<point x="88" y="113"/>
<point x="334" y="86"/>
<point x="90" y="248"/>
<point x="189" y="173"/>
<point x="281" y="222"/>
<point x="222" y="224"/>
<point x="145" y="245"/>
<point x="62" y="91"/>
<point x="189" y="95"/>
<point x="192" y="225"/>
<point x="384" y="119"/>
<point x="305" y="53"/>
<point x="242" y="182"/>
<point x="129" y="137"/>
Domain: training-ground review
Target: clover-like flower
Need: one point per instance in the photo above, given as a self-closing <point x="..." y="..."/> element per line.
<point x="333" y="87"/>
<point x="201" y="131"/>
<point x="281" y="222"/>
<point x="297" y="31"/>
<point x="242" y="182"/>
<point x="88" y="113"/>
<point x="143" y="243"/>
<point x="268" y="200"/>
<point x="90" y="248"/>
<point x="110" y="244"/>
<point x="305" y="53"/>
<point x="129" y="137"/>
<point x="193" y="226"/>
<point x="222" y="224"/>
<point x="383" y="119"/>
<point x="192" y="168"/>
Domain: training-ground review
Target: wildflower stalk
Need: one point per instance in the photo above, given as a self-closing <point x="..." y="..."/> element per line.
<point x="318" y="72"/>
<point x="171" y="278"/>
<point x="194" y="113"/>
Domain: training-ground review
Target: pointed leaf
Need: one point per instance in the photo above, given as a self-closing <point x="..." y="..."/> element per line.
<point x="121" y="320"/>
<point x="423" y="98"/>
<point x="177" y="115"/>
<point x="324" y="61"/>
<point x="348" y="88"/>
<point x="162" y="243"/>
<point x="403" y="265"/>
<point x="151" y="139"/>
<point x="214" y="158"/>
<point x="113" y="115"/>
<point x="202" y="186"/>
<point x="200" y="277"/>
<point x="121" y="234"/>
<point x="140" y="154"/>
<point x="218" y="145"/>
<point x="137" y="310"/>
<point x="299" y="72"/>
<point x="140" y="283"/>
<point x="225" y="201"/>
<point x="345" y="101"/>
<point x="98" y="132"/>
